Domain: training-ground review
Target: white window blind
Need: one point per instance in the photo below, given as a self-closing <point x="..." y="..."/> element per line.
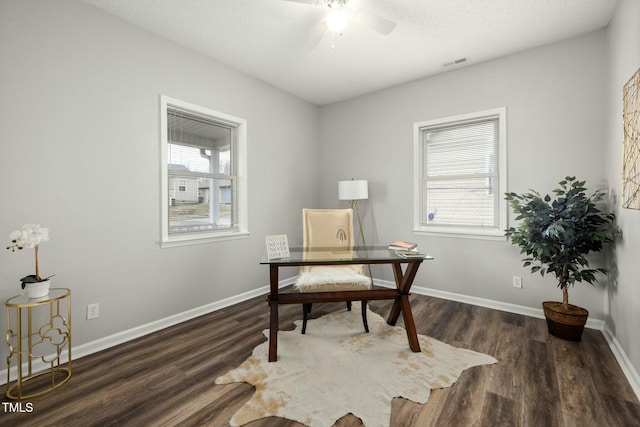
<point x="461" y="174"/>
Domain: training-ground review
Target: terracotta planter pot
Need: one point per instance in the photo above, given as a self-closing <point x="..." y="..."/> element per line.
<point x="565" y="324"/>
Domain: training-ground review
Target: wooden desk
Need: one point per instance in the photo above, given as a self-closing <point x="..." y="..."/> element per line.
<point x="377" y="254"/>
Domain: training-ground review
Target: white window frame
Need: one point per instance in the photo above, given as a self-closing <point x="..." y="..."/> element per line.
<point x="489" y="233"/>
<point x="241" y="231"/>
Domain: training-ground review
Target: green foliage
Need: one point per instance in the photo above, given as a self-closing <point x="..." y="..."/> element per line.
<point x="557" y="233"/>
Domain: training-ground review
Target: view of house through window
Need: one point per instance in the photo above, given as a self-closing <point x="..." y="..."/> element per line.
<point x="200" y="173"/>
<point x="202" y="177"/>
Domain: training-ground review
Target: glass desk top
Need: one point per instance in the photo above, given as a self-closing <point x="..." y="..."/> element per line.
<point x="356" y="254"/>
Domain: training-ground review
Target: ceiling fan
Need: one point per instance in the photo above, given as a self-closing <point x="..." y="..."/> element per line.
<point x="340" y="12"/>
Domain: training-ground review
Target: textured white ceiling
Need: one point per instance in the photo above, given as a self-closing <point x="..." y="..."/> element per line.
<point x="269" y="39"/>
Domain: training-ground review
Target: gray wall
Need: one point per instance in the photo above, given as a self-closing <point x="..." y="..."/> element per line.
<point x="556" y="115"/>
<point x="80" y="122"/>
<point x="623" y="302"/>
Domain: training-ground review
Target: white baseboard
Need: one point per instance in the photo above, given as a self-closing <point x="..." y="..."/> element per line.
<point x="618" y="352"/>
<point x="86" y="349"/>
<point x="139" y="331"/>
<point x="496" y="305"/>
<point x="624" y="362"/>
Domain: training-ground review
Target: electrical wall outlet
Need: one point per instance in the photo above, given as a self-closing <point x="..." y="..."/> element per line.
<point x="93" y="311"/>
<point x="517" y="282"/>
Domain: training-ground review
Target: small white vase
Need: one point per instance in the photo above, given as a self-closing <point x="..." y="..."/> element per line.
<point x="38" y="289"/>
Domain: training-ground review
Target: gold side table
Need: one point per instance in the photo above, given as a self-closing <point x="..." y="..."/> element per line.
<point x="37" y="342"/>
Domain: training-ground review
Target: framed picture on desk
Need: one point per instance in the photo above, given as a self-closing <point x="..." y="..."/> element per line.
<point x="277" y="246"/>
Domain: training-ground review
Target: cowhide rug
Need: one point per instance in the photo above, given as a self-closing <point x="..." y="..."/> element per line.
<point x="336" y="368"/>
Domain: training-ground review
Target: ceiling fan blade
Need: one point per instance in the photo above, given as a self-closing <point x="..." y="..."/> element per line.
<point x="373" y="21"/>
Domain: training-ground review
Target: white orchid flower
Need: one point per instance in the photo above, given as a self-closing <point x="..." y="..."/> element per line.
<point x="30" y="236"/>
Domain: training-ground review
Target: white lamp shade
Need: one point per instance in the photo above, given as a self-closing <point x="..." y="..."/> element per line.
<point x="353" y="190"/>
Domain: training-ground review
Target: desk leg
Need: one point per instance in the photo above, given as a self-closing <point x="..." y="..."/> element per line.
<point x="409" y="324"/>
<point x="273" y="319"/>
<point x="401" y="304"/>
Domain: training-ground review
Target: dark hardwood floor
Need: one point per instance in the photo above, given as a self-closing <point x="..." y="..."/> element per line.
<point x="167" y="378"/>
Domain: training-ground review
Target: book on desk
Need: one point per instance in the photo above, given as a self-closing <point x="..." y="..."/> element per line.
<point x="403" y="246"/>
<point x="411" y="254"/>
<point x="407" y="250"/>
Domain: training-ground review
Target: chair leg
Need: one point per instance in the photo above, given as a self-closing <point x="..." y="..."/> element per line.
<point x="306" y="310"/>
<point x="348" y="305"/>
<point x="364" y="316"/>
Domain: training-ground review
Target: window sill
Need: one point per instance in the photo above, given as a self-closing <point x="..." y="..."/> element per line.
<point x="461" y="233"/>
<point x="188" y="240"/>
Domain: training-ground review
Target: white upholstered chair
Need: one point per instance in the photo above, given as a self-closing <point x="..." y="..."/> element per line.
<point x="331" y="229"/>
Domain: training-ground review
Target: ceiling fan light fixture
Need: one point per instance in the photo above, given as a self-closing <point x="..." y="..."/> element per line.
<point x="337" y="20"/>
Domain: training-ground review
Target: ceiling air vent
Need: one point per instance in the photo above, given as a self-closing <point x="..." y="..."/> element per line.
<point x="456" y="62"/>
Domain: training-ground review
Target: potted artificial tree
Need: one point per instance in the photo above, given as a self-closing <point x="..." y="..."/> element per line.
<point x="557" y="234"/>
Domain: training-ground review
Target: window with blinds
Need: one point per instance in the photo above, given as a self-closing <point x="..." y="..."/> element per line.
<point x="203" y="158"/>
<point x="460" y="174"/>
